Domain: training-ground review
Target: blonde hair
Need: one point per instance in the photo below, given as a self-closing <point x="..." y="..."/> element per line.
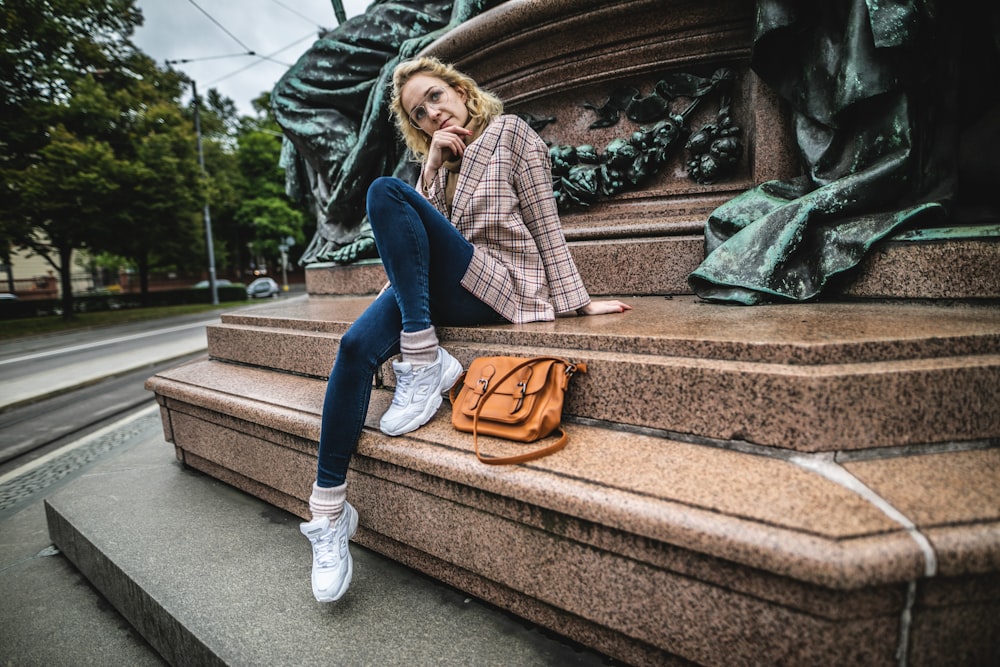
<point x="483" y="105"/>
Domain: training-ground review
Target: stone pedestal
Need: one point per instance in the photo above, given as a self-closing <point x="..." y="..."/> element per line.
<point x="802" y="484"/>
<point x="788" y="484"/>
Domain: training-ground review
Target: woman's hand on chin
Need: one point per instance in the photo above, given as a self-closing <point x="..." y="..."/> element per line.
<point x="446" y="144"/>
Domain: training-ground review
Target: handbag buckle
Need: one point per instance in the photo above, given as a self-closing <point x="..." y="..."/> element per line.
<point x="519" y="399"/>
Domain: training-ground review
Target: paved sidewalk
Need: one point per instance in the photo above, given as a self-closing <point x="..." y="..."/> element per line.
<point x="50" y="614"/>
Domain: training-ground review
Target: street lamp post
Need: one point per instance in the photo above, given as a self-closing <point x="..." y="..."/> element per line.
<point x="283" y="247"/>
<point x="208" y="216"/>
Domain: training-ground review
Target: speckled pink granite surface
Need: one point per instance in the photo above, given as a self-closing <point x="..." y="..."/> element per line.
<point x="808" y="377"/>
<point x="628" y="532"/>
<point x="804" y="484"/>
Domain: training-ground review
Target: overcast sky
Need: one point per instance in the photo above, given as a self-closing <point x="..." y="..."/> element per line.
<point x="279" y="30"/>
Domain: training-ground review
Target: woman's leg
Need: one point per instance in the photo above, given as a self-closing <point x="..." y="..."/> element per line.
<point x="369" y="342"/>
<point x="372" y="339"/>
<point x="425" y="258"/>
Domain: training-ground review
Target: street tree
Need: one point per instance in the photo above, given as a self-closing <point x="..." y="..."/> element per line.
<point x="47" y="44"/>
<point x="57" y="180"/>
<point x="62" y="197"/>
<point x="266" y="216"/>
<point x="155" y="219"/>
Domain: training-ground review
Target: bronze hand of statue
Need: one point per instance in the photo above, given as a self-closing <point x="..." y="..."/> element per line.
<point x="362" y="247"/>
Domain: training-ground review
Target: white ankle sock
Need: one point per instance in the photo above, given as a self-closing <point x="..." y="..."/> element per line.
<point x="419" y="347"/>
<point x="328" y="502"/>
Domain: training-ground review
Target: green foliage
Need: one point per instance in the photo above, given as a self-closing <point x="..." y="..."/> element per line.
<point x="98" y="151"/>
<point x="272" y="220"/>
<point x="56" y="160"/>
<point x="68" y="188"/>
<point x="162" y="194"/>
<point x="62" y="196"/>
<point x="258" y="156"/>
<point x="250" y="210"/>
<point x="47" y="45"/>
<point x="105" y="260"/>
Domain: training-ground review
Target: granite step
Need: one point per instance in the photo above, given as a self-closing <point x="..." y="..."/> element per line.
<point x="644" y="547"/>
<point x="806" y="377"/>
<point x="939" y="268"/>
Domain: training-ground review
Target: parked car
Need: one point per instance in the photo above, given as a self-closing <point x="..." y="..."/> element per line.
<point x="219" y="282"/>
<point x="263" y="288"/>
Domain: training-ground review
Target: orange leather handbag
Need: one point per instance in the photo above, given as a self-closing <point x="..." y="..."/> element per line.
<point x="515" y="399"/>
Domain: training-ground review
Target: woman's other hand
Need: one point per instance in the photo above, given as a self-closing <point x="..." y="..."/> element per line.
<point x="603" y="308"/>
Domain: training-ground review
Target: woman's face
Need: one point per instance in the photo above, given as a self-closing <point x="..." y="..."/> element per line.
<point x="432" y="104"/>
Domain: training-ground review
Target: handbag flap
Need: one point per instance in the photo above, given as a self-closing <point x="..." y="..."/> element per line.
<point x="513" y="396"/>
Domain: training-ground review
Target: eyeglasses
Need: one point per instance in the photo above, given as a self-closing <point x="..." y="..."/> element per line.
<point x="436" y="97"/>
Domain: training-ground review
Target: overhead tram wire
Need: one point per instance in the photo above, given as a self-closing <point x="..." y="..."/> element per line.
<point x="181" y="61"/>
<point x="338" y="8"/>
<point x="263" y="58"/>
<point x="300" y="14"/>
<point x="221" y="27"/>
<point x="269" y="58"/>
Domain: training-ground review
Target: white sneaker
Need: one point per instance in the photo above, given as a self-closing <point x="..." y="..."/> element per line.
<point x="332" y="565"/>
<point x="418" y="393"/>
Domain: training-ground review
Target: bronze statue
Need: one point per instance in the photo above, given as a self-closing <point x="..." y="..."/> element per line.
<point x="582" y="175"/>
<point x="873" y="89"/>
<point x="331" y="105"/>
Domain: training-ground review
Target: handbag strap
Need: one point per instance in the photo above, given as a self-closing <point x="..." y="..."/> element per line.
<point x="491" y="389"/>
<point x="521" y="458"/>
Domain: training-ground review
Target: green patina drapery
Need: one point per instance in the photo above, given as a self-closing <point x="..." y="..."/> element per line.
<point x="332" y="106"/>
<point x="872" y="87"/>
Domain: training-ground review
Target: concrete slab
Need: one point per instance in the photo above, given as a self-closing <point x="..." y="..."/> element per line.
<point x="50" y="614"/>
<point x="210" y="575"/>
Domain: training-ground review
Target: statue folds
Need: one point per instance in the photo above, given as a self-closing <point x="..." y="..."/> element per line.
<point x="873" y="87"/>
<point x="332" y="107"/>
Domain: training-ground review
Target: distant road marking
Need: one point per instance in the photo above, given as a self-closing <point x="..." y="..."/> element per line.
<point x="85" y="440"/>
<point x="101" y="343"/>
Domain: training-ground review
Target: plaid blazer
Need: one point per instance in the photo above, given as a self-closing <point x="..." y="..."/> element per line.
<point x="504" y="206"/>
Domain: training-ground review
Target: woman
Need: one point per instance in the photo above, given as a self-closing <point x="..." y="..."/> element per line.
<point x="481" y="244"/>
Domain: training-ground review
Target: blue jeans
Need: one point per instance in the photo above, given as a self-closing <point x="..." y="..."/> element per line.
<point x="425" y="258"/>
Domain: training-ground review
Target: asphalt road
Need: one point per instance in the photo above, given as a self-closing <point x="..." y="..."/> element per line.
<point x="43" y="366"/>
<point x="56" y="388"/>
<point x="33" y="430"/>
